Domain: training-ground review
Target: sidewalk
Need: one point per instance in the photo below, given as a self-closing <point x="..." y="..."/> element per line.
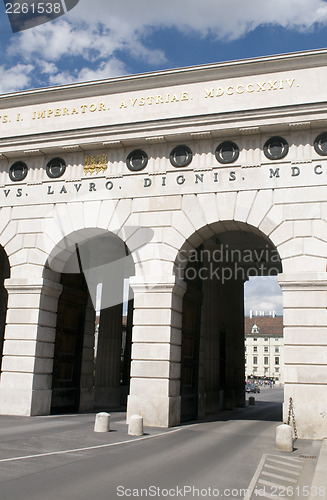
<point x="319" y="483"/>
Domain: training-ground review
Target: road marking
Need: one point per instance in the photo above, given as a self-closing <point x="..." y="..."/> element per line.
<point x="295" y="473"/>
<point x="268" y="483"/>
<point x="266" y="494"/>
<point x="255" y="478"/>
<point x="278" y="476"/>
<point x="96" y="447"/>
<point x="292" y="459"/>
<point x="259" y="485"/>
<point x="284" y="463"/>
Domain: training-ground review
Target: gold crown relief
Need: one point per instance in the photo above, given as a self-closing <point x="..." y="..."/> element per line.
<point x="95" y="164"/>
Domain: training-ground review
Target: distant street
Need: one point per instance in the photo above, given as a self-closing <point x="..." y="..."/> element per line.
<point x="213" y="458"/>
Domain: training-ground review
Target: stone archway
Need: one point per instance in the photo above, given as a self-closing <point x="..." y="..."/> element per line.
<point x="212" y="353"/>
<point x="83" y="378"/>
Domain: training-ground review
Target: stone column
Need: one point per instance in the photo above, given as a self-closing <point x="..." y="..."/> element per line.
<point x="25" y="385"/>
<point x="86" y="401"/>
<point x="107" y="371"/>
<point x="156" y="350"/>
<point x="107" y="368"/>
<point x="235" y="341"/>
<point x="305" y="351"/>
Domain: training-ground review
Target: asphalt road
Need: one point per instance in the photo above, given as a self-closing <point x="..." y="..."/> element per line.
<point x="62" y="458"/>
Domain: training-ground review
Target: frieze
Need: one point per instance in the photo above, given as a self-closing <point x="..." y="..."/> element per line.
<point x="168" y="183"/>
<point x="117" y="104"/>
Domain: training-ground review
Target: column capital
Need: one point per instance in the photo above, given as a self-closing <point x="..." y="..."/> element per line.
<point x="299" y="281"/>
<point x="144" y="284"/>
<point x="33" y="285"/>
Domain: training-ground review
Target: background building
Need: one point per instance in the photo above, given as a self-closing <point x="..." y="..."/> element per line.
<point x="264" y="348"/>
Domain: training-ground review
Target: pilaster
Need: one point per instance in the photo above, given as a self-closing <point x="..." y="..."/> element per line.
<point x="305" y="351"/>
<point x="156" y="350"/>
<point x="25" y="385"/>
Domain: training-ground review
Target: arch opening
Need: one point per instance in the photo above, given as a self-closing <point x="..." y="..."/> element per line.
<point x="92" y="347"/>
<point x="212" y="352"/>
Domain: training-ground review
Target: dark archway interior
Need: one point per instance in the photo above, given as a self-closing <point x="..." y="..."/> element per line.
<point x="212" y="356"/>
<point x="93" y="332"/>
<point x="4" y="273"/>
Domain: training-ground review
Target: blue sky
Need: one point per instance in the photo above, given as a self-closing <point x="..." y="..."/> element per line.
<point x="103" y="39"/>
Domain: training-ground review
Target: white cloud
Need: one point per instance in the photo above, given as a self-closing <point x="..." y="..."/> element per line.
<point x="230" y="19"/>
<point x="108" y="69"/>
<point x="105" y="28"/>
<point x="47" y="67"/>
<point x="98" y="39"/>
<point x="55" y="40"/>
<point x="263" y="294"/>
<point x="18" y="76"/>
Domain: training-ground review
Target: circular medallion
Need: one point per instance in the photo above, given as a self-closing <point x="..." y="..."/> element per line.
<point x="18" y="171"/>
<point x="137" y="160"/>
<point x="227" y="152"/>
<point x="55" y="168"/>
<point x="181" y="156"/>
<point x="275" y="148"/>
<point x="320" y="144"/>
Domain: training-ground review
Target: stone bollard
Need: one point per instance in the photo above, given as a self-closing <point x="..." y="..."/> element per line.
<point x="135" y="427"/>
<point x="251" y="400"/>
<point x="102" y="422"/>
<point x="284" y="438"/>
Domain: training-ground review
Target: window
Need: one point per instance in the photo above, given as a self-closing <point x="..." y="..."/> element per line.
<point x="255" y="329"/>
<point x="275" y="148"/>
<point x="255" y="340"/>
<point x="266" y="349"/>
<point x="266" y="340"/>
<point x="266" y="370"/>
<point x="277" y="370"/>
<point x="276" y="340"/>
<point x="320" y="144"/>
<point x="227" y="152"/>
<point x="137" y="160"/>
<point x="18" y="171"/>
<point x="55" y="168"/>
<point x="276" y="349"/>
<point x="255" y="360"/>
<point x="255" y="349"/>
<point x="277" y="361"/>
<point x="181" y="156"/>
<point x="266" y="360"/>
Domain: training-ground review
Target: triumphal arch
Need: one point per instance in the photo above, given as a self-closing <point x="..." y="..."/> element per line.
<point x="169" y="189"/>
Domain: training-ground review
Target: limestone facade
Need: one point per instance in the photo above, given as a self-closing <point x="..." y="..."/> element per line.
<point x="264" y="348"/>
<point x="151" y="219"/>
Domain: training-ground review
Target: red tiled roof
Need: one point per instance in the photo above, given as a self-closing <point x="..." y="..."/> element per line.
<point x="268" y="326"/>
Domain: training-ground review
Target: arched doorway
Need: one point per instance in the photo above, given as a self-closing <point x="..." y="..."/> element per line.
<point x="93" y="330"/>
<point x="4" y="273"/>
<point x="212" y="354"/>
